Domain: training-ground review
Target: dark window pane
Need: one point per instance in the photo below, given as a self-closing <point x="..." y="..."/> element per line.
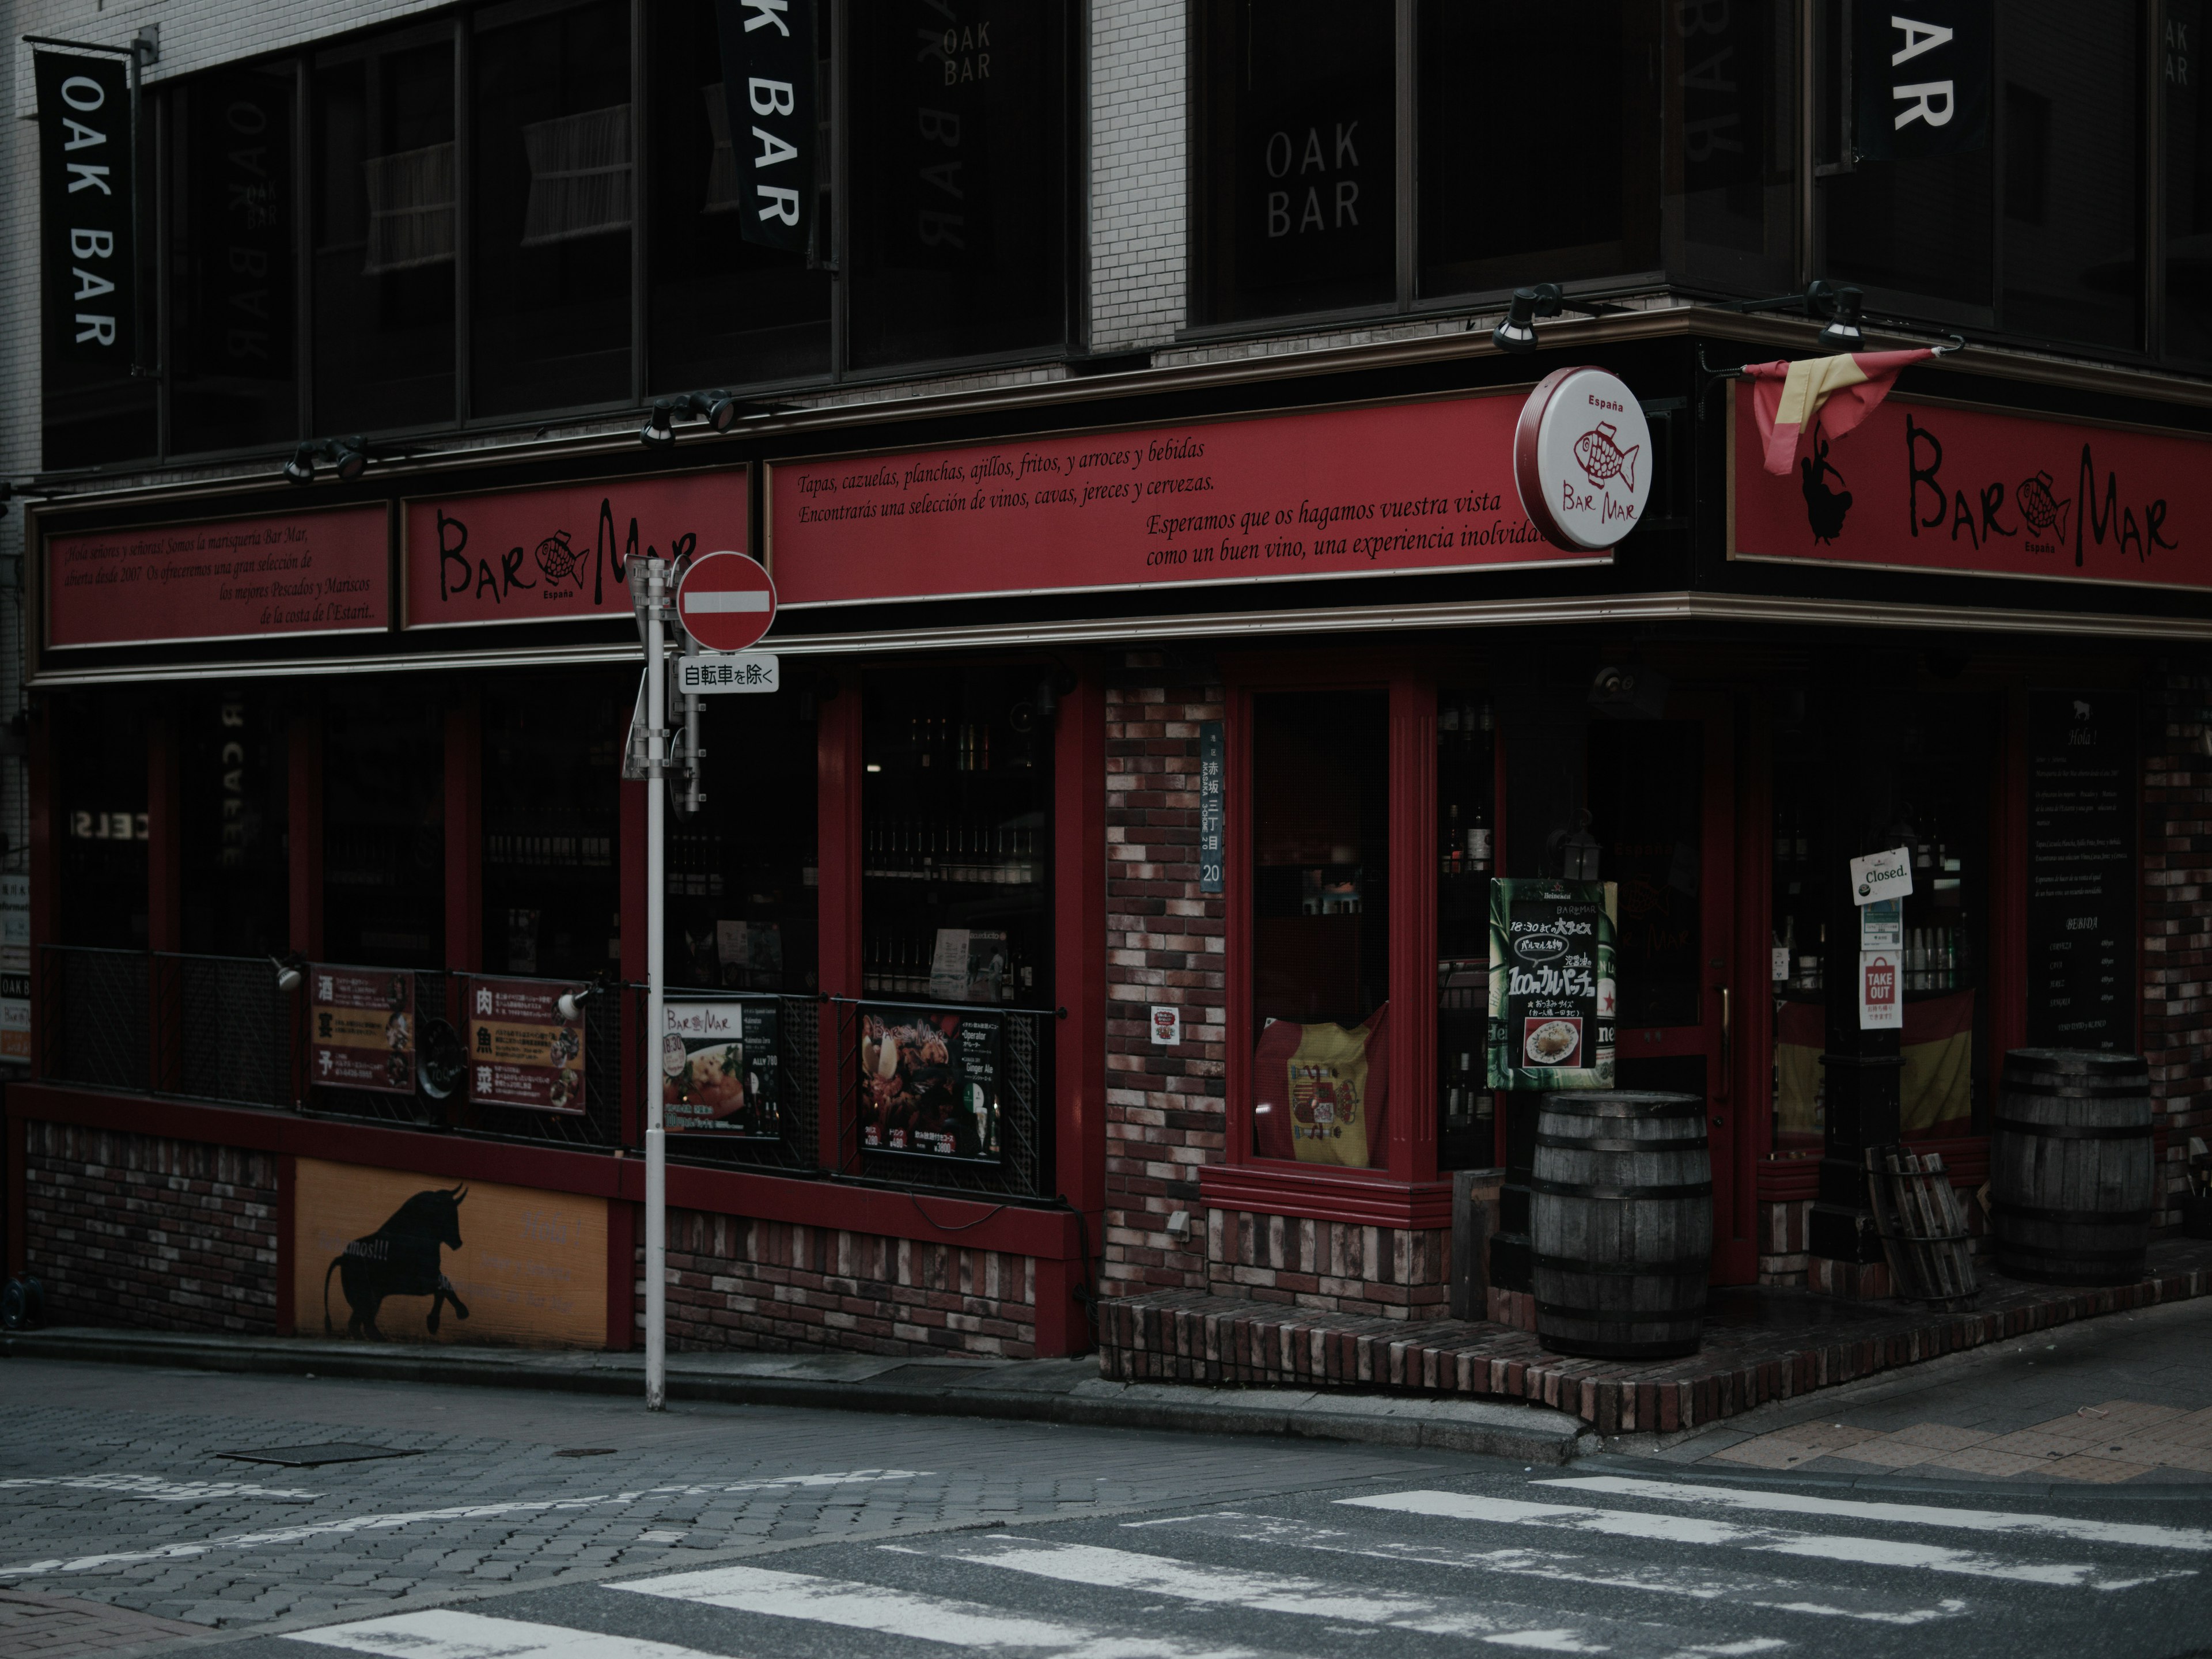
<point x="384" y="818"/>
<point x="231" y="750"/>
<point x="1539" y="160"/>
<point x="1646" y="792"/>
<point x="99" y="797"/>
<point x="1917" y="228"/>
<point x="552" y="771"/>
<point x="2188" y="173"/>
<point x="959" y="123"/>
<point x="723" y="311"/>
<point x="383" y="229"/>
<point x="1299" y="156"/>
<point x="233" y="277"/>
<point x="1732" y="144"/>
<point x="2069" y="107"/>
<point x="551" y="200"/>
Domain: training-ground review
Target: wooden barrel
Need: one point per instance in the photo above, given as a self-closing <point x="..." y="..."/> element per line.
<point x="1621" y="1221"/>
<point x="2070" y="1167"/>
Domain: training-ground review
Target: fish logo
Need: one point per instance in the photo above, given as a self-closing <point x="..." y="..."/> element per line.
<point x="1603" y="459"/>
<point x="2042" y="510"/>
<point x="558" y="560"/>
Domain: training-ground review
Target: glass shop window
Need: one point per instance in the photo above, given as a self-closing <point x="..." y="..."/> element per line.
<point x="2186" y="160"/>
<point x="957" y="127"/>
<point x="957" y="836"/>
<point x="722" y="312"/>
<point x="1320" y="944"/>
<point x="1297" y="106"/>
<point x="231" y="762"/>
<point x="233" y="279"/>
<point x="99" y="797"/>
<point x="1730" y="152"/>
<point x="1520" y="182"/>
<point x="552" y="771"/>
<point x="1646" y="814"/>
<point x="1466" y="847"/>
<point x="743" y="882"/>
<point x="1942" y="812"/>
<point x="552" y="207"/>
<point x="383" y="817"/>
<point x="383" y="232"/>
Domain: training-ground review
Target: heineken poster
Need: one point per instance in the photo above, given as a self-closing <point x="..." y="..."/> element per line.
<point x="1551" y="1002"/>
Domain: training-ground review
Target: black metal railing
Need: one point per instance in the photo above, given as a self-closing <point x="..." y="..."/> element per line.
<point x="223" y="1030"/>
<point x="92" y="1010"/>
<point x="1017" y="1100"/>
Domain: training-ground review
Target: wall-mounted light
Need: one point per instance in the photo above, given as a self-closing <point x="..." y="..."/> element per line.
<point x="1518" y="330"/>
<point x="288" y="973"/>
<point x="720" y="409"/>
<point x="1844" y="306"/>
<point x="571" y="1001"/>
<point x="347" y="457"/>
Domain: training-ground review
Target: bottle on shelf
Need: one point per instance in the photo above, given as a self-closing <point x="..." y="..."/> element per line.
<point x="1479" y="855"/>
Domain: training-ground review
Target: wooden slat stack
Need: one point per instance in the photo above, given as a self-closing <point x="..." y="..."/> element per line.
<point x="1923" y="1226"/>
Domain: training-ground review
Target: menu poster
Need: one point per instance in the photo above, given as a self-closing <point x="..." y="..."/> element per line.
<point x="521" y="1052"/>
<point x="362" y="1028"/>
<point x="929" y="1083"/>
<point x="2081" y="870"/>
<point x="718" y="1068"/>
<point x="1553" y="948"/>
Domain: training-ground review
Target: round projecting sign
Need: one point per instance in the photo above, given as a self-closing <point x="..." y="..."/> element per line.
<point x="1581" y="459"/>
<point x="726" y="601"/>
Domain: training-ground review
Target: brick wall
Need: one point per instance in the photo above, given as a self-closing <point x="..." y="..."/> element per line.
<point x="1165" y="1106"/>
<point x="1378" y="1272"/>
<point x="150" y="1233"/>
<point x="738" y="1283"/>
<point x="1138" y="174"/>
<point x="2176" y="865"/>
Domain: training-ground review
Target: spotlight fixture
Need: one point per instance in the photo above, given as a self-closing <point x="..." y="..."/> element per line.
<point x="719" y="409"/>
<point x="347" y="457"/>
<point x="10" y="492"/>
<point x="1845" y="305"/>
<point x="287" y="972"/>
<point x="658" y="430"/>
<point x="1518" y="331"/>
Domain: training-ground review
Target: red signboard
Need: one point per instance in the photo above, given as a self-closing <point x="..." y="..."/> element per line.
<point x="1943" y="487"/>
<point x="1349" y="492"/>
<point x="324" y="572"/>
<point x="521" y="1051"/>
<point x="725" y="602"/>
<point x="559" y="554"/>
<point x="362" y="1028"/>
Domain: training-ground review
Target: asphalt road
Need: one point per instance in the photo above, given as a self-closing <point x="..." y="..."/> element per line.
<point x="744" y="1531"/>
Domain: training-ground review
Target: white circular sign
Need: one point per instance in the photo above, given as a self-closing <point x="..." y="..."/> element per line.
<point x="1581" y="459"/>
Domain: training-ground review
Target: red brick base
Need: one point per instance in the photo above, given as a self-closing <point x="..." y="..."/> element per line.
<point x="151" y="1233"/>
<point x="776" y="1286"/>
<point x="1380" y="1272"/>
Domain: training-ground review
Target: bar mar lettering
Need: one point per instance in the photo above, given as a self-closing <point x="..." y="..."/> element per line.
<point x="1924" y="486"/>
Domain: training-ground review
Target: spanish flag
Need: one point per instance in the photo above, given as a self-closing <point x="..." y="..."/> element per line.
<point x="1320" y="1093"/>
<point x="1936" y="1094"/>
<point x="1835" y="393"/>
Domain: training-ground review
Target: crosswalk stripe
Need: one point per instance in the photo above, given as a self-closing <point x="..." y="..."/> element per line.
<point x="444" y="1633"/>
<point x="1696" y="1529"/>
<point x="1777" y="1594"/>
<point x="1916" y="1514"/>
<point x="1286" y="1593"/>
<point x="892" y="1612"/>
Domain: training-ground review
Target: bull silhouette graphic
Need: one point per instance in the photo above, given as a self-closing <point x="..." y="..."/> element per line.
<point x="400" y="1258"/>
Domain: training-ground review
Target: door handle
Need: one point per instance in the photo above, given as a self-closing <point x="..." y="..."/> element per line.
<point x="1728" y="1043"/>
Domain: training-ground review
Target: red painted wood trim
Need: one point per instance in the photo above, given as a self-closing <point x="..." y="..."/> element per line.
<point x="1078" y="950"/>
<point x="967" y="1223"/>
<point x="621" y="1276"/>
<point x="288" y="1173"/>
<point x="43" y="849"/>
<point x="303" y="831"/>
<point x="1412" y="923"/>
<point x="465" y="833"/>
<point x="1062" y="1329"/>
<point x="837" y="897"/>
<point x="1727" y="909"/>
<point x="1790" y="1180"/>
<point x="165" y="863"/>
<point x="2008" y="943"/>
<point x="630" y="852"/>
<point x="1362" y="1197"/>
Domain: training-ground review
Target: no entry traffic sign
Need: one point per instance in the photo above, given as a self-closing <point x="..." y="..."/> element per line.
<point x="726" y="601"/>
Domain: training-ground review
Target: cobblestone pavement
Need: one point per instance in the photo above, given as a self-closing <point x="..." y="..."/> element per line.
<point x="2123" y="1399"/>
<point x="114" y="1490"/>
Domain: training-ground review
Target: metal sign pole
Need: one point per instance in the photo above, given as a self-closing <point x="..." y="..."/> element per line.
<point x="656" y="887"/>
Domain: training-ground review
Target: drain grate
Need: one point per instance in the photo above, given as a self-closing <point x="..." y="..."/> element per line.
<point x="309" y="1457"/>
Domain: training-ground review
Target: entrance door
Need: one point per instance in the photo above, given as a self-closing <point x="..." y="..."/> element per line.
<point x="1662" y="809"/>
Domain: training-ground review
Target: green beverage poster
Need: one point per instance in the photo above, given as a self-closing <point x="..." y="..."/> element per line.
<point x="1551" y="1001"/>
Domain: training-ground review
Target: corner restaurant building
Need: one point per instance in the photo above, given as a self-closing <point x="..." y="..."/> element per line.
<point x="1040" y="648"/>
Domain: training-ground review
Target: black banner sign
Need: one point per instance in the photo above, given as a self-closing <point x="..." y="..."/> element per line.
<point x="85" y="206"/>
<point x="1920" y="78"/>
<point x="768" y="90"/>
<point x="2081" y="870"/>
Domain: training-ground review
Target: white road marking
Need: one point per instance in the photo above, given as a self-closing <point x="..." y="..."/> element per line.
<point x="1916" y="1514"/>
<point x="443" y="1633"/>
<point x="1777" y="1594"/>
<point x="340" y="1525"/>
<point x="1288" y="1593"/>
<point x="1693" y="1529"/>
<point x="905" y="1612"/>
<point x="164" y="1491"/>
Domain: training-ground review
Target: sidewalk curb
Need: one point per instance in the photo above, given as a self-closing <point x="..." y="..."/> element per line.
<point x="1073" y="1394"/>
